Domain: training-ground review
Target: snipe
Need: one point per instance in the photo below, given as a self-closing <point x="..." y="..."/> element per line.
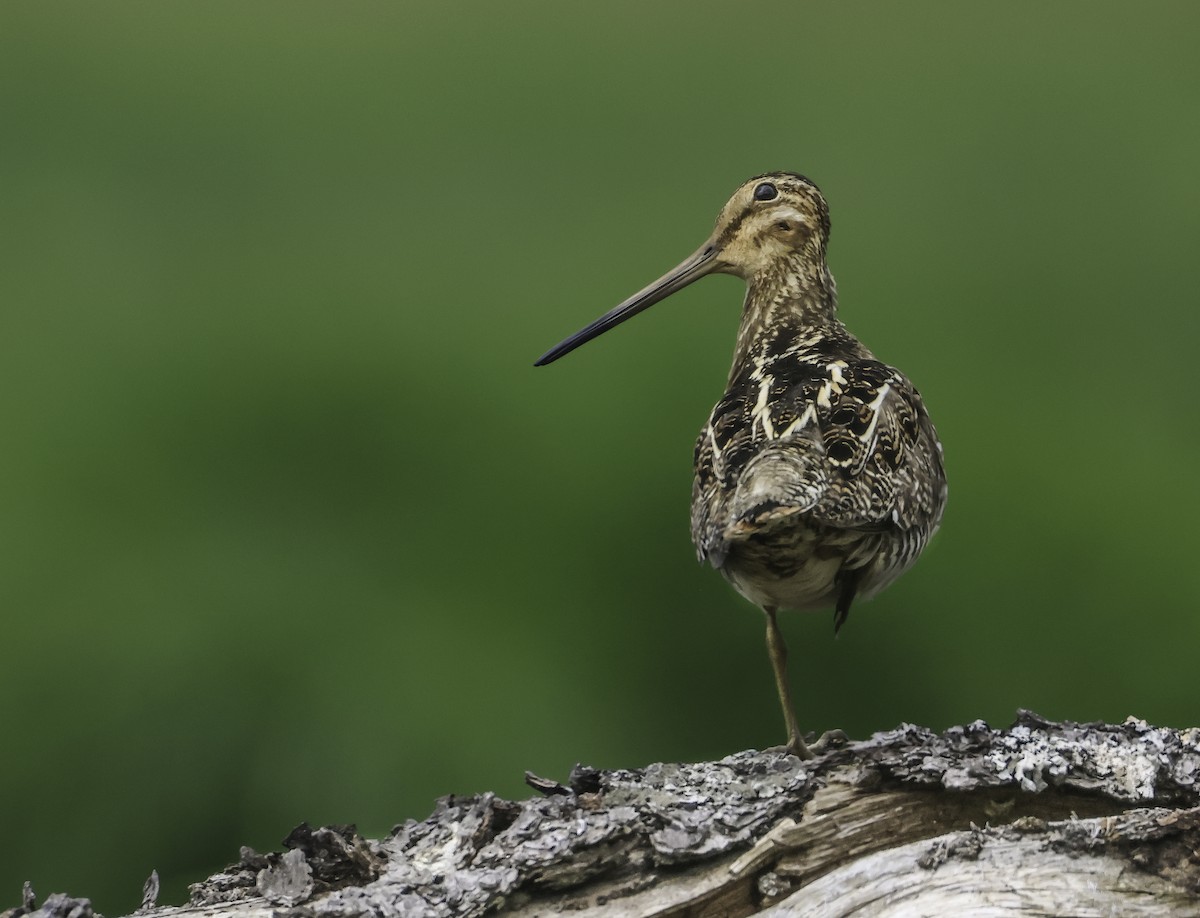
<point x="818" y="477"/>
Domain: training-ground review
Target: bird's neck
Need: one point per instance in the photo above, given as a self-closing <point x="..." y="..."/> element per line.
<point x="783" y="304"/>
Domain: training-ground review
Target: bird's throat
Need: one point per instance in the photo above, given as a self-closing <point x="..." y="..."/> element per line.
<point x="795" y="300"/>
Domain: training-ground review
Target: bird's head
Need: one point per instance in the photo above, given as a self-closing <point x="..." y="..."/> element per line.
<point x="774" y="224"/>
<point x="772" y="221"/>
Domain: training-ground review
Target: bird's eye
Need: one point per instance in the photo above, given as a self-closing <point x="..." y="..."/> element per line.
<point x="766" y="192"/>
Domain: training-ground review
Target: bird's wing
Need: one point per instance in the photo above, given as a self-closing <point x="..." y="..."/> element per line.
<point x="882" y="450"/>
<point x="845" y="444"/>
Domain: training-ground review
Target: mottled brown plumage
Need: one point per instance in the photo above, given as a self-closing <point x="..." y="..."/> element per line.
<point x="818" y="477"/>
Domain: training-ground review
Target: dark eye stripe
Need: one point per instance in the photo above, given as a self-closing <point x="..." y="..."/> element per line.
<point x="766" y="192"/>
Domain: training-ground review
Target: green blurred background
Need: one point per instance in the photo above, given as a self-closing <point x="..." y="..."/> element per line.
<point x="292" y="529"/>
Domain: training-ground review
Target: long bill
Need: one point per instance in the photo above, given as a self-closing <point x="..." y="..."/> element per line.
<point x="690" y="269"/>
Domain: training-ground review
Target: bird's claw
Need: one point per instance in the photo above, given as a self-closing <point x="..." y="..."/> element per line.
<point x="829" y="740"/>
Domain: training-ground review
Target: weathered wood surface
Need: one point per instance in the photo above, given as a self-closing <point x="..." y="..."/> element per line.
<point x="1038" y="819"/>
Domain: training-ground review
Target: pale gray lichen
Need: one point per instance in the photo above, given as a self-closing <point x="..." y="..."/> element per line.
<point x="1131" y="761"/>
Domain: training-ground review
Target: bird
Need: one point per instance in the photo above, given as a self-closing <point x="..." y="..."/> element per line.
<point x="819" y="476"/>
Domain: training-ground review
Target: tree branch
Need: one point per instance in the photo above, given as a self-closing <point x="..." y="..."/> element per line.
<point x="1039" y="818"/>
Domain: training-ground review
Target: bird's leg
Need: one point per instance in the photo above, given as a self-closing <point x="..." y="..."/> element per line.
<point x="778" y="652"/>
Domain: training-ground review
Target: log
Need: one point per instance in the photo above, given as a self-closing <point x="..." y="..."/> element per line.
<point x="1040" y="818"/>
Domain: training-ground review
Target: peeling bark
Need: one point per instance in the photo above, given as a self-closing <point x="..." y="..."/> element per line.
<point x="1040" y="818"/>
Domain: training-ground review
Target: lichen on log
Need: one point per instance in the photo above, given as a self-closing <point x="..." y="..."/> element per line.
<point x="892" y="825"/>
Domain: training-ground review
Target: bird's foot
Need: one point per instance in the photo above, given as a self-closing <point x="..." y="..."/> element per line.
<point x="830" y="739"/>
<point x="797" y="747"/>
